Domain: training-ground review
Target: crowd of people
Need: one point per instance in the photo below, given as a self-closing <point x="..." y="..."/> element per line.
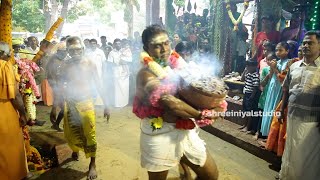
<point x="76" y="76"/>
<point x="282" y="84"/>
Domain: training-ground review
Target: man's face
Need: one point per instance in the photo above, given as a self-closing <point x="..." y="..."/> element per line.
<point x="159" y="46"/>
<point x="62" y="54"/>
<point x="16" y="48"/>
<point x="310" y="46"/>
<point x="93" y="45"/>
<point x="86" y="43"/>
<point x="117" y="45"/>
<point x="33" y="42"/>
<point x="75" y="49"/>
<point x="103" y="40"/>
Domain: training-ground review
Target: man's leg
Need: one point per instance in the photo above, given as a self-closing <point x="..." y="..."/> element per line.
<point x="208" y="172"/>
<point x="186" y="174"/>
<point x="158" y="175"/>
<point x="92" y="169"/>
<point x="53" y="114"/>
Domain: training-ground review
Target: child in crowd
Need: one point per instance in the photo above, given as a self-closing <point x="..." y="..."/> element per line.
<point x="265" y="77"/>
<point x="276" y="136"/>
<point x="274" y="93"/>
<point x="251" y="96"/>
<point x="268" y="48"/>
<point x="242" y="49"/>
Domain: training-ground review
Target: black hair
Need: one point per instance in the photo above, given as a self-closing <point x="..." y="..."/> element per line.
<point x="150" y="32"/>
<point x="314" y="32"/>
<point x="184" y="46"/>
<point x="272" y="55"/>
<point x="116" y="40"/>
<point x="269" y="45"/>
<point x="73" y="39"/>
<point x="285" y="45"/>
<point x="294" y="46"/>
<point x="63" y="38"/>
<point x="103" y="37"/>
<point x="252" y="62"/>
<point x="93" y="40"/>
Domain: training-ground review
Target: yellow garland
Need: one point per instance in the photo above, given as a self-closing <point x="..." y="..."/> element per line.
<point x="233" y="20"/>
<point x="159" y="71"/>
<point x="30" y="106"/>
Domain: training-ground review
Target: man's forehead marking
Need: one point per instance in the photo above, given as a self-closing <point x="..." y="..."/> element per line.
<point x="159" y="39"/>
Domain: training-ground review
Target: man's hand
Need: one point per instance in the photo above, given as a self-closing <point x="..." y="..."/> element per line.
<point x="22" y="120"/>
<point x="280" y="117"/>
<point x="106" y="113"/>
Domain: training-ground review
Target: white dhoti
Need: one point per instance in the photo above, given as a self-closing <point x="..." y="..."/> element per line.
<point x="301" y="158"/>
<point x="162" y="149"/>
<point x="121" y="85"/>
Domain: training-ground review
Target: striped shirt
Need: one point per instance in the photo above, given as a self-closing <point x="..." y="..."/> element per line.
<point x="252" y="81"/>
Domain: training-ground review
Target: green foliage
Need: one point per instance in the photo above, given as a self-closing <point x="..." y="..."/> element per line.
<point x="28" y="15"/>
<point x="180" y="3"/>
<point x="128" y="11"/>
<point x="76" y="11"/>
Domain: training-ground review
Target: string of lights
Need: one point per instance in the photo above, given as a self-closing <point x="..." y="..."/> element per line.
<point x="313" y="21"/>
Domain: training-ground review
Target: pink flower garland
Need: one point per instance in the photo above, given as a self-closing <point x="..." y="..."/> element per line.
<point x="26" y="70"/>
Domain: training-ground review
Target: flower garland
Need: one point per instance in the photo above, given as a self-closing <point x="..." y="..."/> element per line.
<point x="28" y="87"/>
<point x="159" y="67"/>
<point x="233" y="20"/>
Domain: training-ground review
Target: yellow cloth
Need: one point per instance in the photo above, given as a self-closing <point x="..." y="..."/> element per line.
<point x="7" y="80"/>
<point x="79" y="126"/>
<point x="12" y="154"/>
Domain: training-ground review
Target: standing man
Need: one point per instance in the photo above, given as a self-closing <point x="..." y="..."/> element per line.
<point x="120" y="59"/>
<point x="53" y="71"/>
<point x="98" y="58"/>
<point x="80" y="76"/>
<point x="156" y="103"/>
<point x="301" y="92"/>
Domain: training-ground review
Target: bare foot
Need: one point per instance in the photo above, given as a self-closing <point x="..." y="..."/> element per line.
<point x="92" y="172"/>
<point x="256" y="136"/>
<point x="245" y="129"/>
<point x="262" y="144"/>
<point x="75" y="156"/>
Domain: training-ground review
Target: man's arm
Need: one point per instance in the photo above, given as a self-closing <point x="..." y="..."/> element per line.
<point x="19" y="106"/>
<point x="170" y="103"/>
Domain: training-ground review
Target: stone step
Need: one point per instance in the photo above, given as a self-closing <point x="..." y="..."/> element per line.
<point x="230" y="132"/>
